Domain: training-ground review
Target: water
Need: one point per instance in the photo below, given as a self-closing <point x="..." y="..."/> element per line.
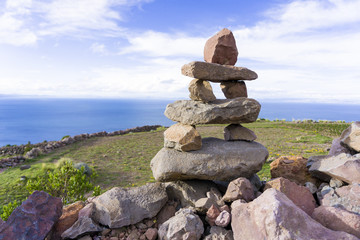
<point x="36" y="120"/>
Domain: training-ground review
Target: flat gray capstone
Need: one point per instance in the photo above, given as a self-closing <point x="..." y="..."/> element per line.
<point x="217" y="73"/>
<point x="221" y="111"/>
<point x="216" y="160"/>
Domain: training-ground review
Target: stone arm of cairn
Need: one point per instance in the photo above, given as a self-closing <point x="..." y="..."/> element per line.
<point x="185" y="155"/>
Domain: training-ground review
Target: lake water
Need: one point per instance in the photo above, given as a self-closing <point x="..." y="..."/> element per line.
<point x="36" y="120"/>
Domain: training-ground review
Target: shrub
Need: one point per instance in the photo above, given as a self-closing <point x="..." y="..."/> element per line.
<point x="65" y="181"/>
<point x="8" y="209"/>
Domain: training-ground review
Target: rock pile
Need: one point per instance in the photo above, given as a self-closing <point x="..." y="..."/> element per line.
<point x="185" y="155"/>
<point x="323" y="203"/>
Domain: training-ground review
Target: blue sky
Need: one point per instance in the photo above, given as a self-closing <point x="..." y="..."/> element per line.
<point x="305" y="51"/>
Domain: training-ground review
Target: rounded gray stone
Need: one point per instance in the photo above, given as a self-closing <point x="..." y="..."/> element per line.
<point x="216" y="160"/>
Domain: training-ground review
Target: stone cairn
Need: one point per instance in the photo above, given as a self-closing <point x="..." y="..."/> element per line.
<point x="315" y="198"/>
<point x="185" y="155"/>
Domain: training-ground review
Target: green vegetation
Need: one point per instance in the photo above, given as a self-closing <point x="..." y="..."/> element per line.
<point x="62" y="179"/>
<point x="125" y="160"/>
<point x="65" y="181"/>
<point x="8" y="209"/>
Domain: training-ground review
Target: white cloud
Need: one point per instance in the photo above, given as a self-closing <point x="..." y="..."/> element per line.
<point x="159" y="44"/>
<point x="98" y="48"/>
<point x="23" y="22"/>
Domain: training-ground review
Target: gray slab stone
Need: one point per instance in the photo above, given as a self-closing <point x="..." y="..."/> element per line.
<point x="216" y="160"/>
<point x="220" y="111"/>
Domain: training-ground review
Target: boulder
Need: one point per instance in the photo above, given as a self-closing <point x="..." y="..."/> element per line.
<point x="201" y="90"/>
<point x="223" y="219"/>
<point x="343" y="166"/>
<point x="204" y="204"/>
<point x="166" y="212"/>
<point x="274" y="216"/>
<point x="182" y="138"/>
<point x="293" y="168"/>
<point x="336" y="183"/>
<point x="336" y="148"/>
<point x="338" y="219"/>
<point x="212" y="214"/>
<point x="221" y="48"/>
<point x="240" y="188"/>
<point x="236" y="132"/>
<point x="33" y="219"/>
<point x="350" y="137"/>
<point x="217" y="73"/>
<point x="216" y="160"/>
<point x="220" y="111"/>
<point x="188" y="192"/>
<point x="68" y="218"/>
<point x="234" y="89"/>
<point x="219" y="233"/>
<point x="299" y="195"/>
<point x="121" y="207"/>
<point x="83" y="225"/>
<point x="151" y="234"/>
<point x="312" y="187"/>
<point x="347" y="197"/>
<point x="184" y="225"/>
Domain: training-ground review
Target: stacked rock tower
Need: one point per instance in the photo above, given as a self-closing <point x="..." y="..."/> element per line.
<point x="185" y="155"/>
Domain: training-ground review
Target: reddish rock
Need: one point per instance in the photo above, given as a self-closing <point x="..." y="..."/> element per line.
<point x="166" y="212"/>
<point x="68" y="218"/>
<point x="212" y="214"/>
<point x="301" y="196"/>
<point x="151" y="234"/>
<point x="234" y="89"/>
<point x="223" y="219"/>
<point x="33" y="219"/>
<point x="225" y="208"/>
<point x="347" y="197"/>
<point x="240" y="188"/>
<point x="338" y="219"/>
<point x="292" y="168"/>
<point x="221" y="48"/>
<point x="274" y="216"/>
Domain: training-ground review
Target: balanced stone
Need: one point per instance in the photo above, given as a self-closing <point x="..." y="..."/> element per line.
<point x="216" y="160"/>
<point x="224" y="111"/>
<point x="201" y="90"/>
<point x="350" y="137"/>
<point x="234" y="89"/>
<point x="235" y="132"/>
<point x="217" y="73"/>
<point x="221" y="48"/>
<point x="182" y="137"/>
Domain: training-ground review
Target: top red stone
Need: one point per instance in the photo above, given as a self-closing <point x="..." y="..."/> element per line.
<point x="221" y="48"/>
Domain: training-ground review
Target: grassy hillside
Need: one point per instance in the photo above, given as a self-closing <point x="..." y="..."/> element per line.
<point x="124" y="160"/>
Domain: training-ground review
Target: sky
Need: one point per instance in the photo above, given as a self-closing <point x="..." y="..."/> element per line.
<point x="302" y="50"/>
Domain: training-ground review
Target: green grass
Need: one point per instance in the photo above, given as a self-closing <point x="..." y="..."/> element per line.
<point x="125" y="160"/>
